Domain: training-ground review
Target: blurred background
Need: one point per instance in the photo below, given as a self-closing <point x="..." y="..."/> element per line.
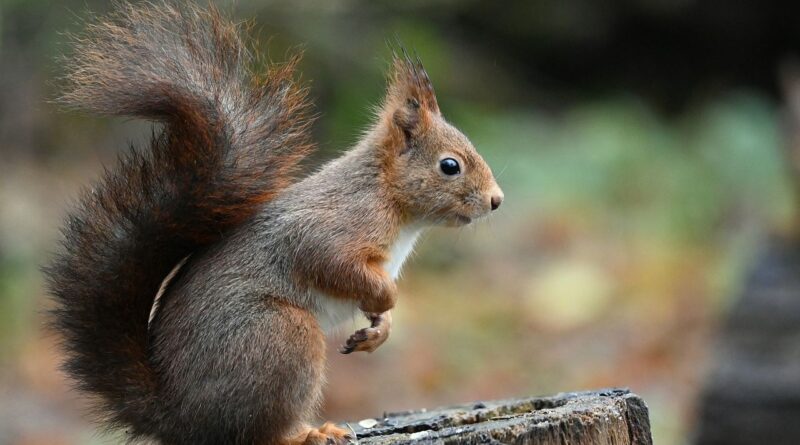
<point x="645" y="150"/>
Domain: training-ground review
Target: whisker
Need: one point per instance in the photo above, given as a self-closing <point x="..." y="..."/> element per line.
<point x="502" y="171"/>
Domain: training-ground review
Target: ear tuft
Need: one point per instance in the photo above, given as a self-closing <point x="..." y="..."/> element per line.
<point x="410" y="106"/>
<point x="410" y="100"/>
<point x="410" y="83"/>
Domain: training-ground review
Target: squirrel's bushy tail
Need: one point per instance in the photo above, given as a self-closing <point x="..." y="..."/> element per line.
<point x="230" y="141"/>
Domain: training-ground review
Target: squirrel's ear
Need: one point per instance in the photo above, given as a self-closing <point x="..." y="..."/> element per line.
<point x="410" y="101"/>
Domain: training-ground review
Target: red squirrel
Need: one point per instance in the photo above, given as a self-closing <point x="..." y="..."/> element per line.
<point x="234" y="352"/>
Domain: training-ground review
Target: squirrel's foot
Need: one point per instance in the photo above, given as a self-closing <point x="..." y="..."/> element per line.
<point x="327" y="434"/>
<point x="369" y="339"/>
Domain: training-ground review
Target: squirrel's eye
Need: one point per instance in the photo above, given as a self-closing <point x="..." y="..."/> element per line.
<point x="449" y="166"/>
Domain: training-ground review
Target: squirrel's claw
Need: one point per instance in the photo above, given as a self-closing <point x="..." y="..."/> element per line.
<point x="369" y="339"/>
<point x="366" y="339"/>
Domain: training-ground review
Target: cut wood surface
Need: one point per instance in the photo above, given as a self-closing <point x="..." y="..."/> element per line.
<point x="604" y="417"/>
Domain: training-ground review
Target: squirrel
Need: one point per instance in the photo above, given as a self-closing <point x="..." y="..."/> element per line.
<point x="196" y="279"/>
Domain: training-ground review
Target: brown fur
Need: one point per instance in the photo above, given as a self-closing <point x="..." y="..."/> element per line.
<point x="173" y="89"/>
<point x="234" y="351"/>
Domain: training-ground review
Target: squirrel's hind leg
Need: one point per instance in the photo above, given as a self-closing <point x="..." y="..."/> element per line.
<point x="261" y="376"/>
<point x="299" y="335"/>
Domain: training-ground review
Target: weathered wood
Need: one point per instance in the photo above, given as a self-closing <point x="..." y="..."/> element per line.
<point x="605" y="417"/>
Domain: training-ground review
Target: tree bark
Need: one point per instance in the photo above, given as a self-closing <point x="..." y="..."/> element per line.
<point x="605" y="417"/>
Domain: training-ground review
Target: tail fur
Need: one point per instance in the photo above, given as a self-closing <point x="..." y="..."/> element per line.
<point x="231" y="140"/>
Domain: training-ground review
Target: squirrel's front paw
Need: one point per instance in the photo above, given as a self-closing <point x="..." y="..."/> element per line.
<point x="369" y="339"/>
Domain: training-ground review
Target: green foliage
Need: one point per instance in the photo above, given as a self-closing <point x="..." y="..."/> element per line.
<point x="18" y="281"/>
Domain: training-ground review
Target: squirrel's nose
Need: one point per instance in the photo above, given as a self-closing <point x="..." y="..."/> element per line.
<point x="496" y="201"/>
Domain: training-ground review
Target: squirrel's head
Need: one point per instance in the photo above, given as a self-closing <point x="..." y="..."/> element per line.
<point x="431" y="169"/>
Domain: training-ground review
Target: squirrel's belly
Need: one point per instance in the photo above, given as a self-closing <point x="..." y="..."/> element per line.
<point x="331" y="312"/>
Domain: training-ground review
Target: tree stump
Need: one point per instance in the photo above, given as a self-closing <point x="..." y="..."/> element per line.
<point x="605" y="417"/>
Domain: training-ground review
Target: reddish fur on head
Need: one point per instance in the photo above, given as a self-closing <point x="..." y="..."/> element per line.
<point x="413" y="137"/>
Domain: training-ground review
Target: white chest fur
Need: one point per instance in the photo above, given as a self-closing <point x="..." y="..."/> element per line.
<point x="402" y="247"/>
<point x="332" y="312"/>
